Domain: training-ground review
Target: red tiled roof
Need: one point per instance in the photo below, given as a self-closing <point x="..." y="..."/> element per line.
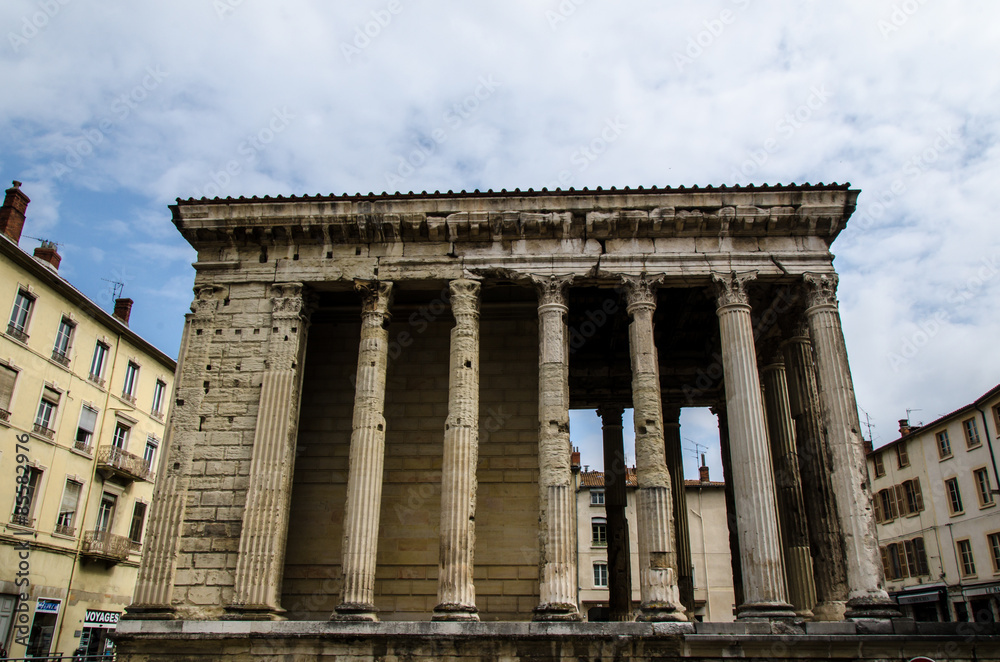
<point x="596" y="479"/>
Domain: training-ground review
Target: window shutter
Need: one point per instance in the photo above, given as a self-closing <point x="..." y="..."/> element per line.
<point x="901" y="500"/>
<point x="918" y="548"/>
<point x="879" y="515"/>
<point x="88" y="419"/>
<point x="885" y="563"/>
<point x="71" y="496"/>
<point x="919" y="496"/>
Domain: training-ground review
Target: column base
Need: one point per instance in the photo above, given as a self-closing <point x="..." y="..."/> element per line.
<point x="149" y="613"/>
<point x="455" y="612"/>
<point x="555" y="611"/>
<point x="660" y="612"/>
<point x="877" y="608"/>
<point x="766" y="611"/>
<point x="832" y="610"/>
<point x="355" y="611"/>
<point x="253" y="613"/>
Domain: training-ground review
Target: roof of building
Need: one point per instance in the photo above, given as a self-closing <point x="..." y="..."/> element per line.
<point x="371" y="195"/>
<point x="596" y="479"/>
<point x="50" y="277"/>
<point x="914" y="431"/>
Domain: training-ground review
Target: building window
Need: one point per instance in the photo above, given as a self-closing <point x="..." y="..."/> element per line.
<point x="996" y="417"/>
<point x="24" y="501"/>
<point x="106" y="513"/>
<point x="902" y="457"/>
<point x="954" y="496"/>
<point x="600" y="575"/>
<point x="914" y="498"/>
<point x="597" y="497"/>
<point x="983" y="487"/>
<point x="66" y="522"/>
<point x="120" y="438"/>
<point x="994" y="540"/>
<point x="64" y="337"/>
<point x="897" y="562"/>
<point x="966" y="561"/>
<point x="45" y="420"/>
<point x="149" y="453"/>
<point x="135" y="528"/>
<point x="599" y="531"/>
<point x="97" y="365"/>
<point x="944" y="444"/>
<point x="972" y="439"/>
<point x="20" y="316"/>
<point x="85" y="429"/>
<point x="158" y="390"/>
<point x="131" y="381"/>
<point x="7" y="378"/>
<point x="885" y="505"/>
<point x="879" y="466"/>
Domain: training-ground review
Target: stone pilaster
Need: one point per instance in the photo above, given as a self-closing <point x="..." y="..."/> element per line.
<point x="155" y="581"/>
<point x="261" y="561"/>
<point x="822" y="522"/>
<point x="557" y="498"/>
<point x="753" y="481"/>
<point x="615" y="476"/>
<point x="675" y="465"/>
<point x="794" y="535"/>
<point x="367" y="457"/>
<point x="867" y="597"/>
<point x="456" y="592"/>
<point x="654" y="501"/>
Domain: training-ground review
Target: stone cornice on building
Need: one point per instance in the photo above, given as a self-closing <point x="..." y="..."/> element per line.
<point x="655" y="213"/>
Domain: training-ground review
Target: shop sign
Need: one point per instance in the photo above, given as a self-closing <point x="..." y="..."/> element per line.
<point x="47" y="606"/>
<point x="102" y="619"/>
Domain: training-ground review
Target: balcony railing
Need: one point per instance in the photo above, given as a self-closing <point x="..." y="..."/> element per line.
<point x="22" y="520"/>
<point x="113" y="460"/>
<point x="4" y="415"/>
<point x="82" y="446"/>
<point x="128" y="397"/>
<point x="40" y="429"/>
<point x="65" y="530"/>
<point x="97" y="380"/>
<point x="17" y="333"/>
<point x="134" y="546"/>
<point x="60" y="357"/>
<point x="104" y="545"/>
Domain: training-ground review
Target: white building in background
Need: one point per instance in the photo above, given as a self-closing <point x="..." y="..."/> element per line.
<point x="935" y="492"/>
<point x="709" y="533"/>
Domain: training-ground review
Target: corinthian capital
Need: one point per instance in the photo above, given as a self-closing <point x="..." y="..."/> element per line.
<point x="552" y="289"/>
<point x="731" y="288"/>
<point x="464" y="294"/>
<point x="640" y="291"/>
<point x="821" y="289"/>
<point x="287" y="301"/>
<point x="375" y="296"/>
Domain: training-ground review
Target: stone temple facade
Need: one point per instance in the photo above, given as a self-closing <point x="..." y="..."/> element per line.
<point x="371" y="425"/>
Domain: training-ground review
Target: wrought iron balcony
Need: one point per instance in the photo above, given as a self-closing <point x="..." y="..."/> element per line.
<point x="128" y="397"/>
<point x="22" y="520"/>
<point x="59" y="357"/>
<point x="40" y="429"/>
<point x="16" y="332"/>
<point x="112" y="460"/>
<point x="97" y="380"/>
<point x="105" y="546"/>
<point x="82" y="446"/>
<point x="65" y="530"/>
<point x="4" y="415"/>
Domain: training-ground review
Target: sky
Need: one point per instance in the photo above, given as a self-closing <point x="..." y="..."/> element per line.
<point x="112" y="110"/>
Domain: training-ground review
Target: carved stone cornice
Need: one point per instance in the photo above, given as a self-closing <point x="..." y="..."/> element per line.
<point x="375" y="297"/>
<point x="640" y="291"/>
<point x="821" y="289"/>
<point x="552" y="290"/>
<point x="731" y="288"/>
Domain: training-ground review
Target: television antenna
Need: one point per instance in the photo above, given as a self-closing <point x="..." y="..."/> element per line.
<point x="696" y="449"/>
<point x="117" y="287"/>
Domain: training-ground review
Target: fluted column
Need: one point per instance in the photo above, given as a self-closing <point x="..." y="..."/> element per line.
<point x="730" y="494"/>
<point x="261" y="561"/>
<point x="822" y="522"/>
<point x="794" y="536"/>
<point x="867" y="597"/>
<point x="675" y="465"/>
<point x="557" y="519"/>
<point x="456" y="592"/>
<point x="654" y="502"/>
<point x="155" y="581"/>
<point x="753" y="482"/>
<point x="615" y="498"/>
<point x="367" y="457"/>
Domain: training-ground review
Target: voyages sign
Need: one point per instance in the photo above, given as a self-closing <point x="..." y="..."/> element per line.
<point x="101" y="619"/>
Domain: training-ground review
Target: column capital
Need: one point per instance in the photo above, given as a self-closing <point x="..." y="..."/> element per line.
<point x="821" y="289"/>
<point x="610" y="415"/>
<point x="552" y="290"/>
<point x="464" y="294"/>
<point x="640" y="291"/>
<point x="731" y="288"/>
<point x="671" y="415"/>
<point x="206" y="298"/>
<point x="289" y="301"/>
<point x="375" y="297"/>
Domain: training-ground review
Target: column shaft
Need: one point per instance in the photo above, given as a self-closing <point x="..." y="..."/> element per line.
<point x="675" y="465"/>
<point x="794" y="536"/>
<point x="456" y="592"/>
<point x="753" y="482"/>
<point x="615" y="497"/>
<point x="261" y="561"/>
<point x="867" y="597"/>
<point x="822" y="523"/>
<point x="657" y="551"/>
<point x="730" y="494"/>
<point x="367" y="458"/>
<point x="557" y="519"/>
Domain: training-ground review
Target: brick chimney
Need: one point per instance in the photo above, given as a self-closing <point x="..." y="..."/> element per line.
<point x="703" y="474"/>
<point x="123" y="308"/>
<point x="904" y="427"/>
<point x="12" y="212"/>
<point x="47" y="253"/>
<point x="574" y="458"/>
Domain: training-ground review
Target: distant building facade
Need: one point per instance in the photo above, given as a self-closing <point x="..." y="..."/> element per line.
<point x="83" y="401"/>
<point x="935" y="498"/>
